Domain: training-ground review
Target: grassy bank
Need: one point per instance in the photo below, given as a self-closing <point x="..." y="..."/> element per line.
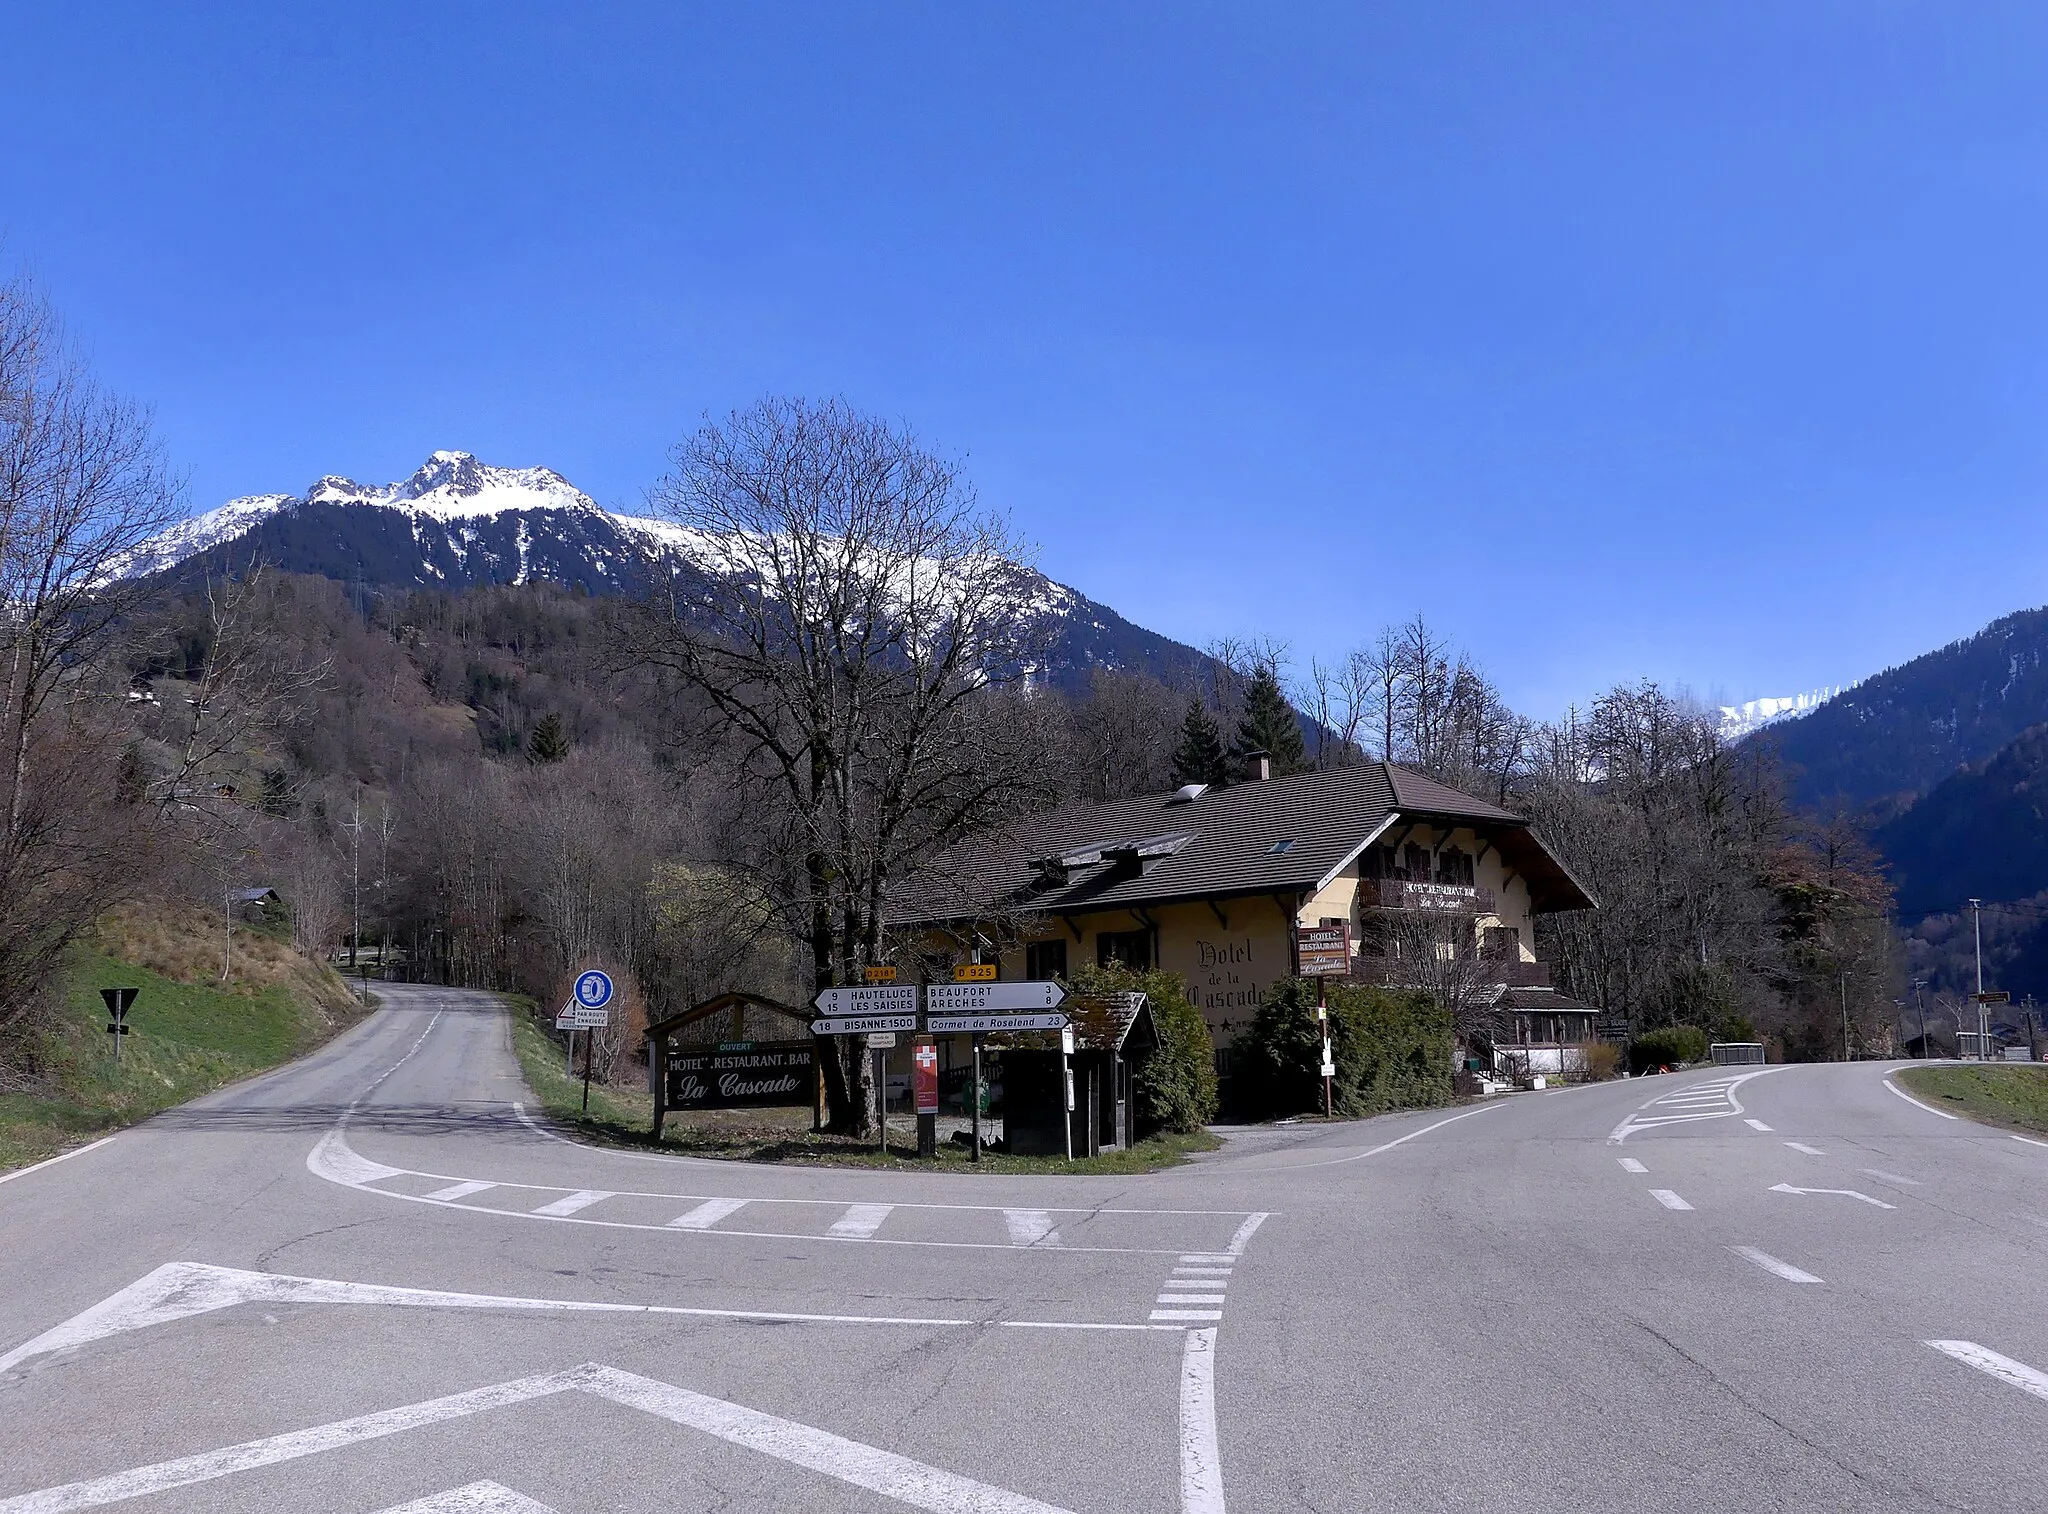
<point x="622" y="1117"/>
<point x="190" y="1032"/>
<point x="2014" y="1096"/>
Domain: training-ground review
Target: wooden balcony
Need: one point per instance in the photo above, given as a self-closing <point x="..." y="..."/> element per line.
<point x="1458" y="898"/>
<point x="1508" y="971"/>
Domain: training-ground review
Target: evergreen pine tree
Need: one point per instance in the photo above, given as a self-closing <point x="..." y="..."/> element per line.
<point x="549" y="741"/>
<point x="1270" y="725"/>
<point x="1200" y="757"/>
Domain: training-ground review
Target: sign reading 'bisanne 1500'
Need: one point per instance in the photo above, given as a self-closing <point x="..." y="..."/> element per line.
<point x="764" y="1073"/>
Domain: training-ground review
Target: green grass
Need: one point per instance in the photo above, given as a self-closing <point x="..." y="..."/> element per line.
<point x="622" y="1117"/>
<point x="2013" y="1096"/>
<point x="185" y="1040"/>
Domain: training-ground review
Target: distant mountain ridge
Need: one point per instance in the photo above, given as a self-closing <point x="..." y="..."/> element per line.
<point x="458" y="523"/>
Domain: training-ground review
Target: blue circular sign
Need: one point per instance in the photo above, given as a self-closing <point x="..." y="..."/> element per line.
<point x="594" y="990"/>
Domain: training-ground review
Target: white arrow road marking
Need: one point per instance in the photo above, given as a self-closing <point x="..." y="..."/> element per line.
<point x="473" y="1498"/>
<point x="1846" y="1193"/>
<point x="182" y="1290"/>
<point x="848" y="1461"/>
<point x="1711" y="1100"/>
<point x="1668" y="1199"/>
<point x="1201" y="1460"/>
<point x="2004" y="1368"/>
<point x="1769" y="1263"/>
<point x="1916" y="1103"/>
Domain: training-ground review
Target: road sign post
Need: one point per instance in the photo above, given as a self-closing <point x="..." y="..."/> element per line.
<point x="118" y="1000"/>
<point x="924" y="1085"/>
<point x="588" y="1010"/>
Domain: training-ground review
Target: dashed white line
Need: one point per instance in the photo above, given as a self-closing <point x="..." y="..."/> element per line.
<point x="1630" y="1164"/>
<point x="1771" y="1264"/>
<point x="1030" y="1227"/>
<point x="1190" y="1298"/>
<point x="1892" y="1177"/>
<point x="574" y="1203"/>
<point x="861" y="1220"/>
<point x="1188" y="1315"/>
<point x="1758" y="1125"/>
<point x="2029" y="1140"/>
<point x="456" y="1191"/>
<point x="1812" y="1151"/>
<point x="1201" y="1461"/>
<point x="706" y="1214"/>
<point x="1668" y="1199"/>
<point x="1244" y="1233"/>
<point x="2004" y="1368"/>
<point x="1916" y="1103"/>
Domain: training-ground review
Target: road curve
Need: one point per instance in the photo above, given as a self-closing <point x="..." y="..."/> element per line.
<point x="371" y="1282"/>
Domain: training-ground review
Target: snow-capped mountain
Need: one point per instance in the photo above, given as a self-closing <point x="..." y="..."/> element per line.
<point x="458" y="523"/>
<point x="1739" y="720"/>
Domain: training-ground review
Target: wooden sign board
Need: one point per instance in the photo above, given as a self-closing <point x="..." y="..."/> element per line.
<point x="1323" y="951"/>
<point x="765" y="1075"/>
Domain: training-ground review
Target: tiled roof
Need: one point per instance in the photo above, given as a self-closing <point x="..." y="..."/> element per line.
<point x="1279" y="835"/>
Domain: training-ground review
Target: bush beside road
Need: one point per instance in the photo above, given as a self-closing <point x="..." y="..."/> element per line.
<point x="190" y="1033"/>
<point x="2014" y="1096"/>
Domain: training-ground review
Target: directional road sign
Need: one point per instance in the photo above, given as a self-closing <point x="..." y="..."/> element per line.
<point x="1993" y="996"/>
<point x="578" y="1017"/>
<point x="881" y="999"/>
<point x="860" y="1025"/>
<point x="881" y="1040"/>
<point x="594" y="989"/>
<point x="992" y="998"/>
<point x="944" y="1025"/>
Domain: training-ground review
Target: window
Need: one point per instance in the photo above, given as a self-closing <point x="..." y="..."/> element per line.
<point x="1045" y="959"/>
<point x="1124" y="948"/>
<point x="1278" y="847"/>
<point x="1454" y="866"/>
<point x="1501" y="943"/>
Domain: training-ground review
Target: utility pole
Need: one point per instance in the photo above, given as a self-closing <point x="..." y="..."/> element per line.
<point x="227" y="956"/>
<point x="1843" y="979"/>
<point x="354" y="827"/>
<point x="1983" y="1011"/>
<point x="1921" y="1005"/>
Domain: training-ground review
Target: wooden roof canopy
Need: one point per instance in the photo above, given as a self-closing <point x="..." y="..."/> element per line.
<point x="733" y="1016"/>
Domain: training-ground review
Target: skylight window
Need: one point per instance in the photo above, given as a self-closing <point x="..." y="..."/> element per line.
<point x="1278" y="847"/>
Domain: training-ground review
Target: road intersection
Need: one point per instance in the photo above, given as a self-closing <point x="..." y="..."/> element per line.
<point x="373" y="1282"/>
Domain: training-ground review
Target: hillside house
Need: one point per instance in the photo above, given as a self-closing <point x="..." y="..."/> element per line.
<point x="1210" y="883"/>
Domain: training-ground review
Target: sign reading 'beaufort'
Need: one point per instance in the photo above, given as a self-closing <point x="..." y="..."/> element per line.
<point x="992" y="998"/>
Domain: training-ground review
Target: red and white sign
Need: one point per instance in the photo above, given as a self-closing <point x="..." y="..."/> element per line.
<point x="924" y="1074"/>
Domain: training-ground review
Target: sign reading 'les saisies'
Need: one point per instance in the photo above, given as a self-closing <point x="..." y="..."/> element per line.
<point x="703" y="1077"/>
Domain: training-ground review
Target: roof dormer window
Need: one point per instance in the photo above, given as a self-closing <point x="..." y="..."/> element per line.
<point x="1278" y="847"/>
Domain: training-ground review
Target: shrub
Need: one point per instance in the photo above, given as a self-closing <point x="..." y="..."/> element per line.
<point x="1598" y="1060"/>
<point x="1670" y="1046"/>
<point x="1393" y="1050"/>
<point x="1175" y="1089"/>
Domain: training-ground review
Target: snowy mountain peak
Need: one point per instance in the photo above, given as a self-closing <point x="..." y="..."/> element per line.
<point x="1739" y="720"/>
<point x="454" y="485"/>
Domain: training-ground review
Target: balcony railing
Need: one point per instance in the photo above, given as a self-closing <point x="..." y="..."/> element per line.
<point x="1396" y="893"/>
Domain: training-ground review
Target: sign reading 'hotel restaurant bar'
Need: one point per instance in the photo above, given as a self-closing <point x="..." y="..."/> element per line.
<point x="738" y="1074"/>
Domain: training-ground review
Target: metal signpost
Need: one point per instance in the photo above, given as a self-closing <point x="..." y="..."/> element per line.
<point x="1984" y="999"/>
<point x="118" y="1000"/>
<point x="590" y="1010"/>
<point x="1324" y="951"/>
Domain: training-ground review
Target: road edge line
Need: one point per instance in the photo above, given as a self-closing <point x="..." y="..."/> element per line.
<point x="62" y="1156"/>
<point x="1201" y="1458"/>
<point x="1887" y="1081"/>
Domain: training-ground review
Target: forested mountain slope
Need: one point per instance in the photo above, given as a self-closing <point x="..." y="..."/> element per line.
<point x="1981" y="832"/>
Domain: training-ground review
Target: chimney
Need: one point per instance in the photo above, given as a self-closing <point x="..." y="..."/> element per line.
<point x="1260" y="766"/>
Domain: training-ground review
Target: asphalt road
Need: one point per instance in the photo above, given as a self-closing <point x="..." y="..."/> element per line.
<point x="370" y="1282"/>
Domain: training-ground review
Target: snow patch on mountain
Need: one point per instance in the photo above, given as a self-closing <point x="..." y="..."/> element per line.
<point x="1739" y="720"/>
<point x="455" y="486"/>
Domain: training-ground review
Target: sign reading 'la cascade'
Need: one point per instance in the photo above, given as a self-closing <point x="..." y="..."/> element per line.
<point x="738" y="1075"/>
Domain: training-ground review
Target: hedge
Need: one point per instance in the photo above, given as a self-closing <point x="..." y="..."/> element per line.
<point x="1670" y="1046"/>
<point x="1393" y="1049"/>
<point x="1175" y="1088"/>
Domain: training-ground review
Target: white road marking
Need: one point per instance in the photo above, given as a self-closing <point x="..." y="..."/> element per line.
<point x="1771" y="1264"/>
<point x="1712" y="1100"/>
<point x="1812" y="1151"/>
<point x="1668" y="1199"/>
<point x="1916" y="1103"/>
<point x="1187" y="1314"/>
<point x="707" y="1214"/>
<point x="1201" y="1460"/>
<point x="2004" y="1368"/>
<point x="1845" y="1193"/>
<point x="1030" y="1227"/>
<point x="1758" y="1125"/>
<point x="333" y="1159"/>
<point x="1190" y="1298"/>
<point x="1892" y="1177"/>
<point x="1202" y="1272"/>
<point x="1208" y="1256"/>
<point x="1245" y="1232"/>
<point x="861" y="1220"/>
<point x="456" y="1191"/>
<point x="182" y="1290"/>
<point x="1630" y="1164"/>
<point x="62" y="1156"/>
<point x="574" y="1202"/>
<point x="2030" y="1140"/>
<point x="1359" y="1156"/>
<point x="848" y="1461"/>
<point x="473" y="1498"/>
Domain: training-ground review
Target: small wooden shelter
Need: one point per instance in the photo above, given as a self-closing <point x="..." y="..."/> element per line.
<point x="734" y="1051"/>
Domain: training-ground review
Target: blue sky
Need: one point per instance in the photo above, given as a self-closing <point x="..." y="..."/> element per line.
<point x="1698" y="343"/>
